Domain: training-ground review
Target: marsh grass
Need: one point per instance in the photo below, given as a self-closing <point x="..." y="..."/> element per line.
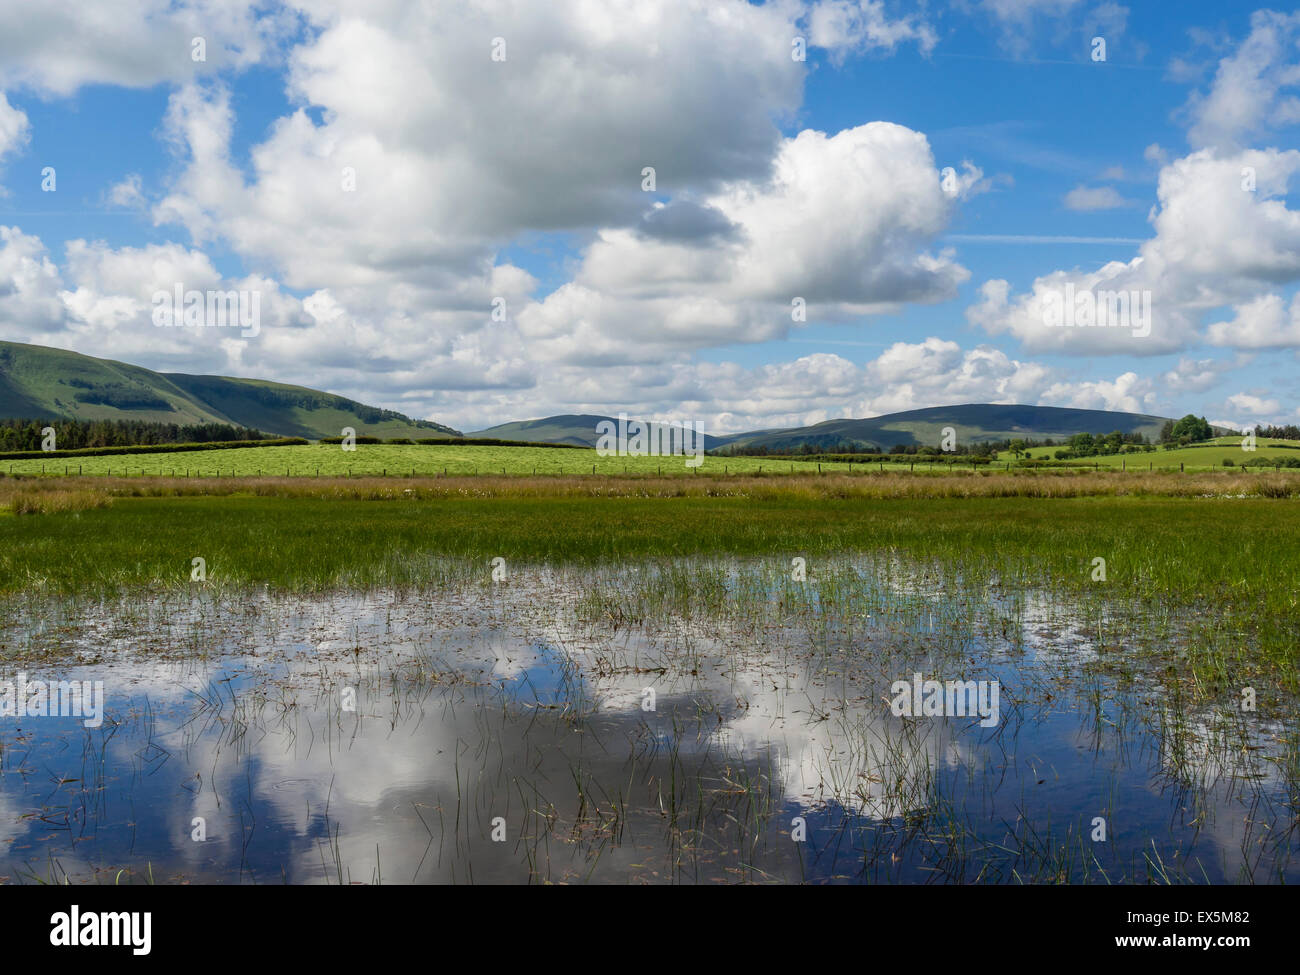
<point x="1222" y="548"/>
<point x="1054" y="483"/>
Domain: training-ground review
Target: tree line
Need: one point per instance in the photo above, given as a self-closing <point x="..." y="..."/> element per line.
<point x="1288" y="432"/>
<point x="25" y="434"/>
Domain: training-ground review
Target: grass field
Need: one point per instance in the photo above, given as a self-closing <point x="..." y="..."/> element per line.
<point x="1208" y="456"/>
<point x="395" y="459"/>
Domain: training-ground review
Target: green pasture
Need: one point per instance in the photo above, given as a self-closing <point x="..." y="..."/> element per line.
<point x="309" y="460"/>
<point x="1208" y="456"/>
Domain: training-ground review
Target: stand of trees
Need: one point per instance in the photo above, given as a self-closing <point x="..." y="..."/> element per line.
<point x="25" y="434"/>
<point x="1190" y="429"/>
<point x="1288" y="432"/>
<point x="1115" y="442"/>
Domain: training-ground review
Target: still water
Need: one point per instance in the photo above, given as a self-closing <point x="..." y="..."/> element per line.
<point x="511" y="734"/>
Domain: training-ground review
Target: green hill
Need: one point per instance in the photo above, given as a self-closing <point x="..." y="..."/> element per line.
<point x="578" y="429"/>
<point x="973" y="422"/>
<point x="572" y="428"/>
<point x="38" y="382"/>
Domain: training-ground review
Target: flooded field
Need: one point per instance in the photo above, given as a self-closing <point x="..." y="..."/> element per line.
<point x="640" y="723"/>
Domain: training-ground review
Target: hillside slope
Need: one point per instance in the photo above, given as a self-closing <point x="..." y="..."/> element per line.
<point x="38" y="382"/>
<point x="973" y="422"/>
<point x="578" y="429"/>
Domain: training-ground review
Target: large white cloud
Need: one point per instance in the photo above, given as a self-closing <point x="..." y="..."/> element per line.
<point x="843" y="225"/>
<point x="1223" y="232"/>
<point x="1253" y="405"/>
<point x="1129" y="393"/>
<point x="14" y="127"/>
<point x="1264" y="323"/>
<point x="29" y="285"/>
<point x="455" y="152"/>
<point x="1255" y="89"/>
<point x="57" y="46"/>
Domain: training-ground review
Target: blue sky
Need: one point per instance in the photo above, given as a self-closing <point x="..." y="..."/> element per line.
<point x="517" y="180"/>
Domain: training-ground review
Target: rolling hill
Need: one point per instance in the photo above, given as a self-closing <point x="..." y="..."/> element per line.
<point x="974" y="422"/>
<point x="571" y="428"/>
<point x="38" y="382"/>
<point x="578" y="429"/>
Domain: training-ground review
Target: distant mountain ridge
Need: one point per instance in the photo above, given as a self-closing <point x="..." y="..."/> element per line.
<point x="972" y="422"/>
<point x="40" y="382"/>
<point x="578" y="429"/>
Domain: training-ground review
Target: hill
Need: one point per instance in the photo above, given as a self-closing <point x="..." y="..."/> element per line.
<point x="578" y="429"/>
<point x="39" y="382"/>
<point x="974" y="423"/>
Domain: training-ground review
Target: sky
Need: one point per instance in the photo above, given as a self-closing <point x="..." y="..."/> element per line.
<point x="746" y="214"/>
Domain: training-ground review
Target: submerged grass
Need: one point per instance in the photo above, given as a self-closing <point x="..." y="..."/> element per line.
<point x="701" y="788"/>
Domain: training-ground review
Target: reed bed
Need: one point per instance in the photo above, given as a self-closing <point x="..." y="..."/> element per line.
<point x="28" y="495"/>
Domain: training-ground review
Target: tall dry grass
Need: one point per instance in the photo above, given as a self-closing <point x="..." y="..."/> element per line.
<point x="27" y="495"/>
<point x="44" y="499"/>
